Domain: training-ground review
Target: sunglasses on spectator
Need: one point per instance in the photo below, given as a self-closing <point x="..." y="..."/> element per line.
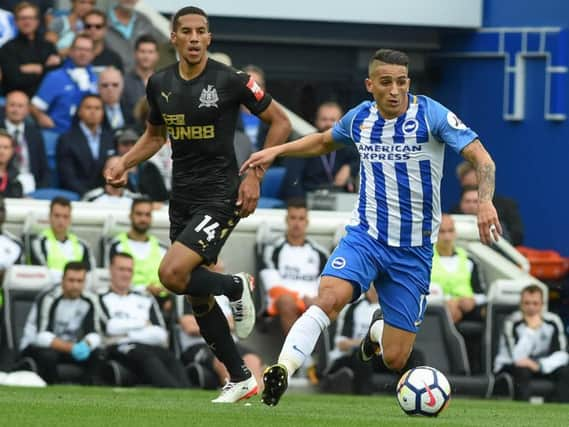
<point x="96" y="26"/>
<point x="107" y="85"/>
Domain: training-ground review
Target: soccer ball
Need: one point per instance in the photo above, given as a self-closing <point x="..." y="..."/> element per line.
<point x="423" y="391"/>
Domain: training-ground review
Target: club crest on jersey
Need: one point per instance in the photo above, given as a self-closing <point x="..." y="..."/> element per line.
<point x="410" y="126"/>
<point x="338" y="263"/>
<point x="208" y="97"/>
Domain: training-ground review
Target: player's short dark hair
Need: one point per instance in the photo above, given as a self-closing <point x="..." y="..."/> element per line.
<point x="145" y="38"/>
<point x="60" y="201"/>
<point x="121" y="255"/>
<point x="139" y="200"/>
<point x="532" y="289"/>
<point x="296" y="202"/>
<point x="390" y="56"/>
<point x="467" y="189"/>
<point x="74" y="266"/>
<point x="188" y="10"/>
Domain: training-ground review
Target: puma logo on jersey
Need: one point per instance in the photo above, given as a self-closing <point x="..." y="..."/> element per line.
<point x="165" y="95"/>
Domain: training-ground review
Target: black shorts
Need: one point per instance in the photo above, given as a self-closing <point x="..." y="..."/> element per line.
<point x="202" y="228"/>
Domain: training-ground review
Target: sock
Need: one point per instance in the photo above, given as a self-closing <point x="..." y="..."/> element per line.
<point x="205" y="282"/>
<point x="302" y="338"/>
<point x="376" y="333"/>
<point x="215" y="330"/>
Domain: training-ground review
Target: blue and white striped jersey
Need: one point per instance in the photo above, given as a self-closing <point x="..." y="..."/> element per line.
<point x="401" y="168"/>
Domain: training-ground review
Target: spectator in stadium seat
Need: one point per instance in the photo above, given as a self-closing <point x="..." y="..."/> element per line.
<point x="96" y="27"/>
<point x="62" y="90"/>
<point x="507" y="208"/>
<point x="27" y="58"/>
<point x="56" y="245"/>
<point x="109" y="195"/>
<point x="31" y="156"/>
<point x="63" y="326"/>
<point x="457" y="275"/>
<point x="11" y="248"/>
<point x="145" y="178"/>
<point x="334" y="171"/>
<point x="533" y="345"/>
<point x="146" y="250"/>
<point x="145" y="59"/>
<point x="126" y="25"/>
<point x="135" y="332"/>
<point x="84" y="149"/>
<point x="111" y="85"/>
<point x="63" y="28"/>
<point x="10" y="186"/>
<point x="291" y="268"/>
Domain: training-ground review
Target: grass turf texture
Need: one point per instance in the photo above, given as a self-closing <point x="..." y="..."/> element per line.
<point x="106" y="407"/>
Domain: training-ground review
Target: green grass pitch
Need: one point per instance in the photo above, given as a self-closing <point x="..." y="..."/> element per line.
<point x="107" y="407"/>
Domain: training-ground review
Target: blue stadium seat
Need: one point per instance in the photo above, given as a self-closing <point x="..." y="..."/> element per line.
<point x="271" y="188"/>
<point x="50" y="193"/>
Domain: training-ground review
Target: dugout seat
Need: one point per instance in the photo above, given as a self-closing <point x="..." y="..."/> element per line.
<point x="22" y="284"/>
<point x="503" y="300"/>
<point x="270" y="327"/>
<point x="34" y="224"/>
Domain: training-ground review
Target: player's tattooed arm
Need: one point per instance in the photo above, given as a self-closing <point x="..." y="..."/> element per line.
<point x="477" y="155"/>
<point x="489" y="226"/>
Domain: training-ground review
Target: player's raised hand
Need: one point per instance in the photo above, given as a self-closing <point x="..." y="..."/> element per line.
<point x="260" y="160"/>
<point x="489" y="226"/>
<point x="116" y="173"/>
<point x="248" y="196"/>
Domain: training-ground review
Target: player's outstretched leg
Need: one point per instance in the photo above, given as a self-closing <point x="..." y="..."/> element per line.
<point x="243" y="309"/>
<point x="236" y="391"/>
<point x="370" y="345"/>
<point x="275" y="379"/>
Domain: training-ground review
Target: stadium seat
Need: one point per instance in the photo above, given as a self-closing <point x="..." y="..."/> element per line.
<point x="51" y="193"/>
<point x="503" y="300"/>
<point x="270" y="327"/>
<point x="50" y="140"/>
<point x="22" y="284"/>
<point x="271" y="188"/>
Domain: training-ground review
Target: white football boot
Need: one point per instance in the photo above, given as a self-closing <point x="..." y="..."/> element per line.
<point x="243" y="309"/>
<point x="235" y="392"/>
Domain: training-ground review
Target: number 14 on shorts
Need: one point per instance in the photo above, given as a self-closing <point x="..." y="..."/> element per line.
<point x="207" y="227"/>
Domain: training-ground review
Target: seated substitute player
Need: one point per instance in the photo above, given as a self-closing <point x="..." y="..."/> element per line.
<point x="195" y="103"/>
<point x="146" y="250"/>
<point x="401" y="139"/>
<point x="533" y="345"/>
<point x="64" y="327"/>
<point x="291" y="267"/>
<point x="56" y="245"/>
<point x="135" y="333"/>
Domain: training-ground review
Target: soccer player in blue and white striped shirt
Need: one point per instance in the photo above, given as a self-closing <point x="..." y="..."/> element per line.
<point x="401" y="140"/>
